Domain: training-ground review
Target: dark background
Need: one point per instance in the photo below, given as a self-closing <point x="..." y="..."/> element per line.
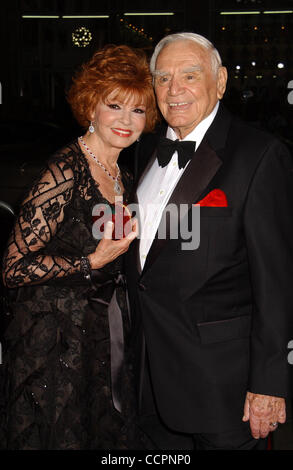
<point x="39" y="57"/>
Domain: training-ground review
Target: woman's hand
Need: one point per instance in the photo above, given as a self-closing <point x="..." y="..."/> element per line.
<point x="108" y="249"/>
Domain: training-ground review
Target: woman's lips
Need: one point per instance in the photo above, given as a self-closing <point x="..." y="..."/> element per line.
<point x="122" y="132"/>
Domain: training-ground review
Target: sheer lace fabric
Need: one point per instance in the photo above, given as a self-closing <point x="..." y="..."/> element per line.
<point x="39" y="220"/>
<point x="56" y="379"/>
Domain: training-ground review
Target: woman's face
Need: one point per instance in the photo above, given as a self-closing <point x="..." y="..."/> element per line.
<point x="119" y="123"/>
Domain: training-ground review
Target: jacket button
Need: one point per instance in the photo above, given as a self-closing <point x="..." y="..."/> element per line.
<point x="141" y="286"/>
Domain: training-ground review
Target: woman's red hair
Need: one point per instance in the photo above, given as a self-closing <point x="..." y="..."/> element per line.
<point x="113" y="68"/>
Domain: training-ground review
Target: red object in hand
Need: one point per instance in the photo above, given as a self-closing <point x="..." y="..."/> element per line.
<point x="119" y="215"/>
<point x="216" y="198"/>
<point x="120" y="218"/>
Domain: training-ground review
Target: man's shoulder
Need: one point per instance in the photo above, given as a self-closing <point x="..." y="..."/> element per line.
<point x="248" y="129"/>
<point x="245" y="142"/>
<point x="251" y="135"/>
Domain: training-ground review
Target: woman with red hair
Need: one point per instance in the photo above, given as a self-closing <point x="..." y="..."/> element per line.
<point x="66" y="360"/>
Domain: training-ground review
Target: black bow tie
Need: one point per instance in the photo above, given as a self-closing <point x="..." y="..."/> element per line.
<point x="167" y="147"/>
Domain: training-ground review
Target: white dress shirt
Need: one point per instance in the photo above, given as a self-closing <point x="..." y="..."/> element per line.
<point x="158" y="184"/>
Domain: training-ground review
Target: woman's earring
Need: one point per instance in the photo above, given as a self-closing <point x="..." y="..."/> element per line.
<point x="91" y="128"/>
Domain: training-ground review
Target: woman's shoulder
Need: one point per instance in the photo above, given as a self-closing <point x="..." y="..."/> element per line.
<point x="67" y="160"/>
<point x="69" y="153"/>
<point x="62" y="167"/>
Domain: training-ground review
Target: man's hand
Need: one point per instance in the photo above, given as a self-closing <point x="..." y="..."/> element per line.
<point x="262" y="411"/>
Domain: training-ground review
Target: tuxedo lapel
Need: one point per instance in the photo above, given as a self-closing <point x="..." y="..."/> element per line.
<point x="206" y="161"/>
<point x="202" y="168"/>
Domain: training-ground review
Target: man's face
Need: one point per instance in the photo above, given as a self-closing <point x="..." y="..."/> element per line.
<point x="187" y="89"/>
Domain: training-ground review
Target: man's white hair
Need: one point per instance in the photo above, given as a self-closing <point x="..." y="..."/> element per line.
<point x="216" y="60"/>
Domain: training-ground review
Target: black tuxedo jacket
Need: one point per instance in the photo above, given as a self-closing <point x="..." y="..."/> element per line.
<point x="216" y="321"/>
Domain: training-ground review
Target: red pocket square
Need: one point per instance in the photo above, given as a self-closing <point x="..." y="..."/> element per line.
<point x="216" y="198"/>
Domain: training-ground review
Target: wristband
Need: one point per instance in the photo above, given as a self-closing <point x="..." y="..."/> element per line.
<point x="85" y="267"/>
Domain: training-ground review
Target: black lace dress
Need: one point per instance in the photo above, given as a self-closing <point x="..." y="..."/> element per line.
<point x="56" y="378"/>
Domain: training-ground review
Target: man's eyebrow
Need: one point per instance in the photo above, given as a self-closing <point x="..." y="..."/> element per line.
<point x="160" y="73"/>
<point x="192" y="68"/>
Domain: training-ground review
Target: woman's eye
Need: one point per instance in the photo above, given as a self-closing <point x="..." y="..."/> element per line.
<point x="139" y="110"/>
<point x="113" y="106"/>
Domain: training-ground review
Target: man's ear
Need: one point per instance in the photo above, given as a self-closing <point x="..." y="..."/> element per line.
<point x="222" y="77"/>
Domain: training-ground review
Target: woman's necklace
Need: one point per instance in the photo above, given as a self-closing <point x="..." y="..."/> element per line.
<point x="117" y="186"/>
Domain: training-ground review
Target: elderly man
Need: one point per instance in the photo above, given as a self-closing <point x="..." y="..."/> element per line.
<point x="212" y="320"/>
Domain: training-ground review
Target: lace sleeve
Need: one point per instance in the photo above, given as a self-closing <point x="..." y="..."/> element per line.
<point x="42" y="212"/>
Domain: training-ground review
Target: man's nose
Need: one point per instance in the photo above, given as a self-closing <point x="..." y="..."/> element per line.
<point x="175" y="86"/>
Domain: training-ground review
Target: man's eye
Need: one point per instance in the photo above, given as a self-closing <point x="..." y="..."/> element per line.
<point x="190" y="77"/>
<point x="163" y="80"/>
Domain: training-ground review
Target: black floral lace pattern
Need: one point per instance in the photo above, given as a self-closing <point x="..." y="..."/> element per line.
<point x="55" y="376"/>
